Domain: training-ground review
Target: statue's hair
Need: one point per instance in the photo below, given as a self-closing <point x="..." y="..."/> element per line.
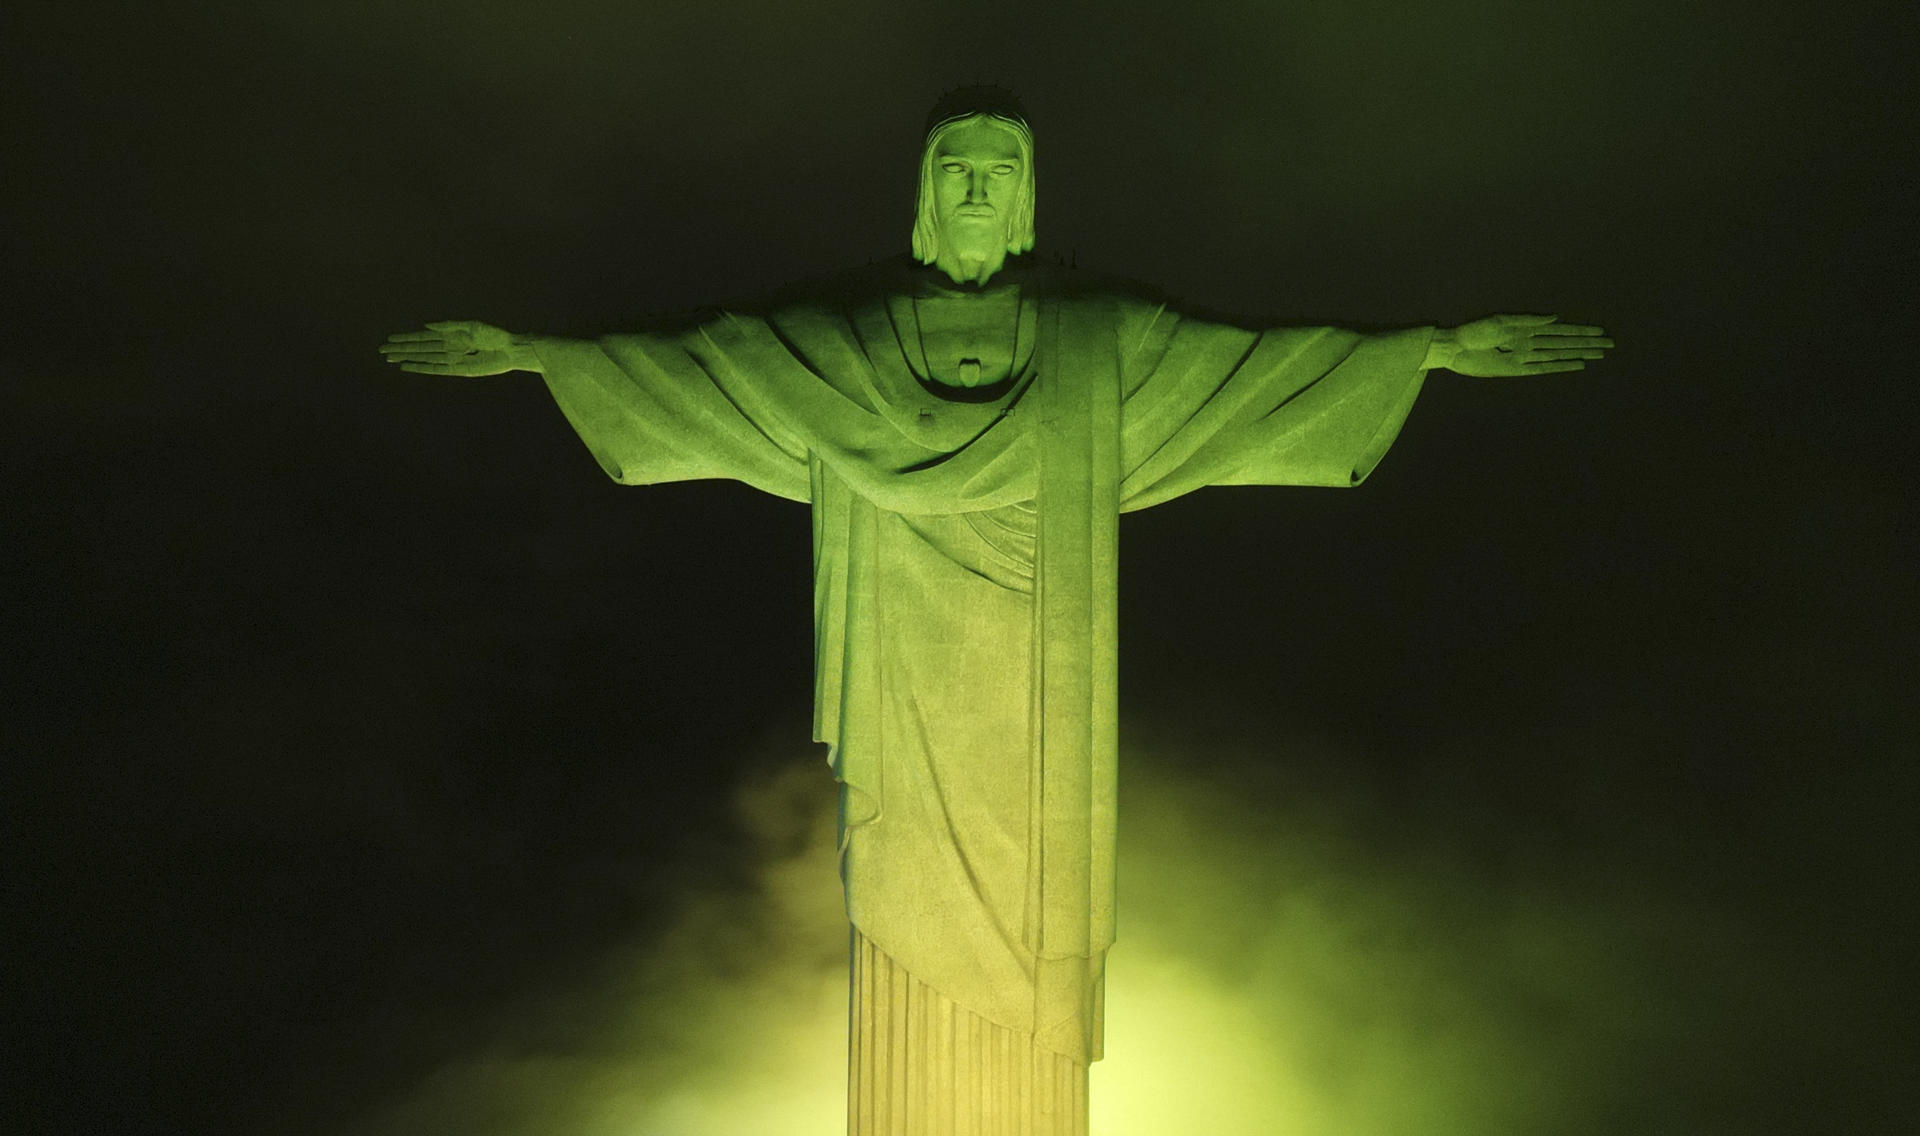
<point x="926" y="234"/>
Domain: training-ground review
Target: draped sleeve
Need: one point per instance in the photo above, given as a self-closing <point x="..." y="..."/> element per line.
<point x="735" y="395"/>
<point x="761" y="395"/>
<point x="1208" y="403"/>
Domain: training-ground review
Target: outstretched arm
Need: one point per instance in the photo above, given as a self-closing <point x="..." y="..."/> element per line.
<point x="1511" y="346"/>
<point x="466" y="348"/>
<point x="1211" y="403"/>
<point x="706" y="402"/>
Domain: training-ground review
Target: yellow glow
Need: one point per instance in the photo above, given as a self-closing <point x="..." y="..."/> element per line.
<point x="1279" y="973"/>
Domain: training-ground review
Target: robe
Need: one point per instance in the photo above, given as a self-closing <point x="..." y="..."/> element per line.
<point x="964" y="550"/>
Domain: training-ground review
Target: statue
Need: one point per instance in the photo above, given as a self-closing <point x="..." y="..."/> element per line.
<point x="966" y="425"/>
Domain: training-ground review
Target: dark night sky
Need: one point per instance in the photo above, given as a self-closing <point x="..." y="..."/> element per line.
<point x="348" y="705"/>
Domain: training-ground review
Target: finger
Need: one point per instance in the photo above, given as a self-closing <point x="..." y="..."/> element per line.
<point x="1549" y="368"/>
<point x="420" y="357"/>
<point x="1554" y="354"/>
<point x="412" y="336"/>
<point x="451" y="325"/>
<point x="431" y="346"/>
<point x="1545" y="340"/>
<point x="1512" y="320"/>
<point x="1572" y="329"/>
<point x="427" y="368"/>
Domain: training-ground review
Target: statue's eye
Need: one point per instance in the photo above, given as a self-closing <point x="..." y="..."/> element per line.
<point x="1002" y="171"/>
<point x="954" y="168"/>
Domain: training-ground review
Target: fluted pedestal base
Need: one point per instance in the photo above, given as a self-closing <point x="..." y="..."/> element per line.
<point x="918" y="1065"/>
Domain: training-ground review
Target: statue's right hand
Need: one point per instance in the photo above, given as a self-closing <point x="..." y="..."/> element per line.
<point x="455" y="347"/>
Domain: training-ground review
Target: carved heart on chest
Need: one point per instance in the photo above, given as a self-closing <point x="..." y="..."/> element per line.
<point x="971" y="341"/>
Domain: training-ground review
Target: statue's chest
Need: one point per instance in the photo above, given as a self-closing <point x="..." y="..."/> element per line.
<point x="971" y="341"/>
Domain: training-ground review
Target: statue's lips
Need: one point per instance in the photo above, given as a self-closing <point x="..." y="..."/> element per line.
<point x="974" y="212"/>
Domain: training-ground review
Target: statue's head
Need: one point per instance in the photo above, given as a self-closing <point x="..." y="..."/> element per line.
<point x="976" y="177"/>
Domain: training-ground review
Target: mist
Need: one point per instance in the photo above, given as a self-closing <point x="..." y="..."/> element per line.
<point x="1297" y="956"/>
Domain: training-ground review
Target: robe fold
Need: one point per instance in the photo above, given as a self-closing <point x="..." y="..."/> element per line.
<point x="964" y="550"/>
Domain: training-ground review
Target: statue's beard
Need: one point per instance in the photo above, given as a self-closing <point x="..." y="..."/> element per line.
<point x="974" y="239"/>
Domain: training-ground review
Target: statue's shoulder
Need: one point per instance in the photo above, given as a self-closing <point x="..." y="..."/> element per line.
<point x="1138" y="302"/>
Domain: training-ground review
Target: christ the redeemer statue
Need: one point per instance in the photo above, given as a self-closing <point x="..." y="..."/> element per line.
<point x="967" y="425"/>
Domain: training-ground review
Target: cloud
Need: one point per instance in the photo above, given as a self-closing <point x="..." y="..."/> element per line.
<point x="1294" y="958"/>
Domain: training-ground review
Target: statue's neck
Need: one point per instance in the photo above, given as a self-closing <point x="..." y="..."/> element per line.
<point x="965" y="269"/>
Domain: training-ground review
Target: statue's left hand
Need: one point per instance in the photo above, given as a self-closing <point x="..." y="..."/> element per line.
<point x="1511" y="346"/>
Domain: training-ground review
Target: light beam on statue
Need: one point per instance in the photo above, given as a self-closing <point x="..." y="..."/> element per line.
<point x="966" y="425"/>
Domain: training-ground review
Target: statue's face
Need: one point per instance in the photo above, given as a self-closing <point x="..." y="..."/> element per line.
<point x="976" y="174"/>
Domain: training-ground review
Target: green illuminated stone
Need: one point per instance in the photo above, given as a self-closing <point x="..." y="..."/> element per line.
<point x="966" y="425"/>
